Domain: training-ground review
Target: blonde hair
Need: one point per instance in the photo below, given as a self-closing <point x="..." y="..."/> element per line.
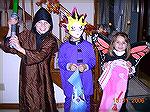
<point x="114" y="38"/>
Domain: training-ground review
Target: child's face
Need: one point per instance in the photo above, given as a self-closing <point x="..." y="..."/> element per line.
<point x="42" y="26"/>
<point x="76" y="30"/>
<point x="120" y="44"/>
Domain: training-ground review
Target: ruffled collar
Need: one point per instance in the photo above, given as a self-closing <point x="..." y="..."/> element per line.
<point x="119" y="53"/>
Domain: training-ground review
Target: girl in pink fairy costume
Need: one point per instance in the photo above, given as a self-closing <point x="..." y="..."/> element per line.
<point x="116" y="69"/>
<point x="118" y="60"/>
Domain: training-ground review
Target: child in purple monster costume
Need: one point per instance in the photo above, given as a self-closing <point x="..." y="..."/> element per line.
<point x="76" y="60"/>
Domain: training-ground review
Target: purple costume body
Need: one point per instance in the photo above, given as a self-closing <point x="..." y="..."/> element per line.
<point x="81" y="52"/>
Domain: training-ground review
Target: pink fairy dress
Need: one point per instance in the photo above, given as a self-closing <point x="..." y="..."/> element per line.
<point x="114" y="84"/>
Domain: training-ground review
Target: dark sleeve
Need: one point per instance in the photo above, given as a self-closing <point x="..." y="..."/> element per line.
<point x="48" y="48"/>
<point x="132" y="61"/>
<point x="107" y="58"/>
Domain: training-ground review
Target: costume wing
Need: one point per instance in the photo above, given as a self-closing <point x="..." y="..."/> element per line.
<point x="101" y="42"/>
<point x="139" y="49"/>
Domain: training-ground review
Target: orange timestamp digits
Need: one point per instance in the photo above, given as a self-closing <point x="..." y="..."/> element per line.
<point x="132" y="100"/>
<point x="137" y="100"/>
<point x="117" y="100"/>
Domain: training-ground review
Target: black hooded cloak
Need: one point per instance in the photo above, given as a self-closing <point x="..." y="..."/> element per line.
<point x="36" y="91"/>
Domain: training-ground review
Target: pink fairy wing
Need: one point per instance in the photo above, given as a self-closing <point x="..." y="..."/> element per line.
<point x="139" y="51"/>
<point x="102" y="45"/>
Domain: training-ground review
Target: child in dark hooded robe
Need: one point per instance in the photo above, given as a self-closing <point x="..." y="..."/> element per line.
<point x="35" y="47"/>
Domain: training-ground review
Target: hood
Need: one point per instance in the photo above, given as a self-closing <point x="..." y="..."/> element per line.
<point x="42" y="14"/>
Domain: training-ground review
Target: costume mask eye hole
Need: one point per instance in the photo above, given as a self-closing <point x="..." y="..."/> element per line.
<point x="72" y="28"/>
<point x="81" y="28"/>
